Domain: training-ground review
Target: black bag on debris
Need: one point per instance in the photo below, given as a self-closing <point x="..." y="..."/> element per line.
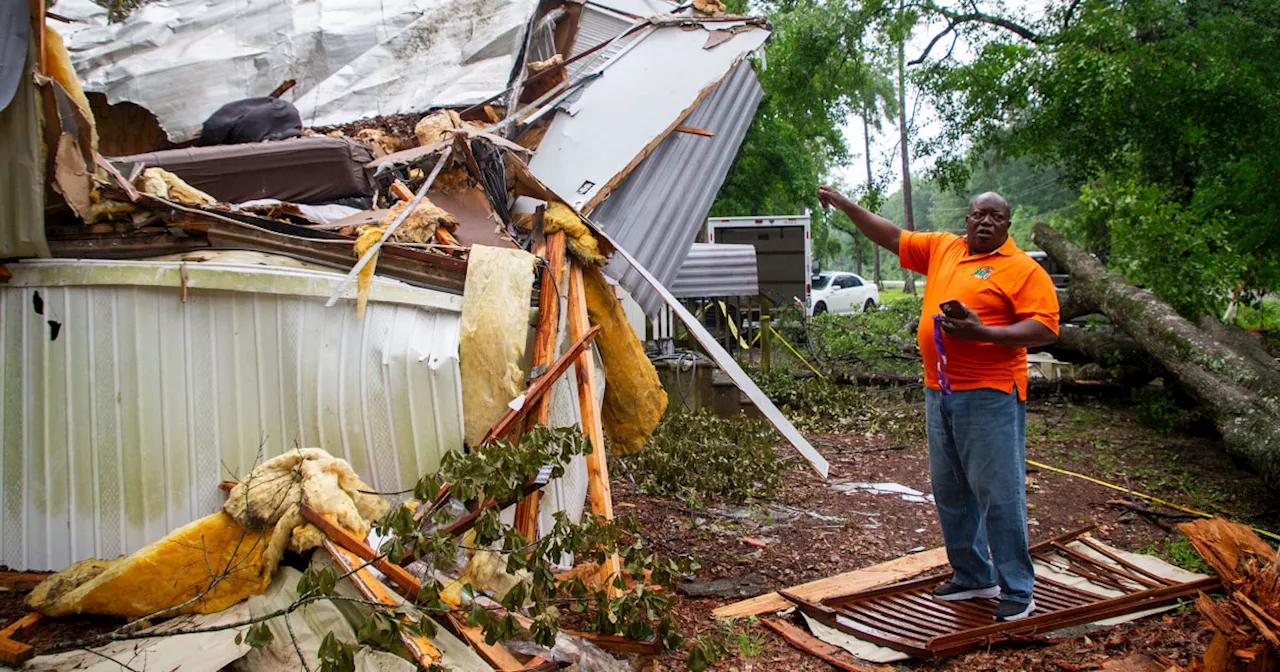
<point x="251" y="120"/>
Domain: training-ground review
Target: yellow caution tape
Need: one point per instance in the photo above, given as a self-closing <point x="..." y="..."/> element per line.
<point x="795" y="352"/>
<point x="733" y="326"/>
<point x="1147" y="497"/>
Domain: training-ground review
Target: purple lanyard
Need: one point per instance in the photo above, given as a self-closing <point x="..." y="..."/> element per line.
<point x="944" y="382"/>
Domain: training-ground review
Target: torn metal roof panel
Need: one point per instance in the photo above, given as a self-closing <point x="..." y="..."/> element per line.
<point x="182" y="59"/>
<point x="637" y="8"/>
<point x="658" y="210"/>
<point x="717" y="270"/>
<point x="646" y="91"/>
<point x="595" y="26"/>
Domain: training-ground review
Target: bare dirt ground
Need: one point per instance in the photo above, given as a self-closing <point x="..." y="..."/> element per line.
<point x="813" y="531"/>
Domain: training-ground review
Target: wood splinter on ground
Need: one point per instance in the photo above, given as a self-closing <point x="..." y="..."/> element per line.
<point x="1246" y="622"/>
<point x="14" y="653"/>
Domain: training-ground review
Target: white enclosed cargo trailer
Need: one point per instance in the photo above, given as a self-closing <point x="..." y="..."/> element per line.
<point x="784" y="252"/>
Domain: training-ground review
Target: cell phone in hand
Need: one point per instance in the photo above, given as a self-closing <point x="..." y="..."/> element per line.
<point x="954" y="309"/>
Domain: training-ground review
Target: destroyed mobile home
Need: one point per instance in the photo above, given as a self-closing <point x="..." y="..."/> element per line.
<point x="316" y="320"/>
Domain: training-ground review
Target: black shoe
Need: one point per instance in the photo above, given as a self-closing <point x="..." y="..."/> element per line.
<point x="1011" y="610"/>
<point x="951" y="592"/>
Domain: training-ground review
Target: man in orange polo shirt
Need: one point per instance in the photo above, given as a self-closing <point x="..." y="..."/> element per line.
<point x="999" y="302"/>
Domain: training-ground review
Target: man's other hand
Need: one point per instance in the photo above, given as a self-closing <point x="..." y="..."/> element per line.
<point x="969" y="328"/>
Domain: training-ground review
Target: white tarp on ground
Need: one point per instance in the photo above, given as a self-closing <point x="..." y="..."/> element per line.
<point x="182" y="59"/>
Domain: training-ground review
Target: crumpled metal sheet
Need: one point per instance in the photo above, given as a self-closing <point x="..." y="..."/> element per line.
<point x="182" y="59"/>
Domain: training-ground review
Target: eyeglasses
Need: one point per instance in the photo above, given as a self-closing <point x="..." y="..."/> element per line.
<point x="996" y="217"/>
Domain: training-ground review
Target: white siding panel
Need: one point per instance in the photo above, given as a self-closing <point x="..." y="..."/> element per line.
<point x="120" y="429"/>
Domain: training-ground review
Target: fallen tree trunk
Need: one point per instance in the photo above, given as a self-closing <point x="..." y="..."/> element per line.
<point x="1236" y="391"/>
<point x="1123" y="359"/>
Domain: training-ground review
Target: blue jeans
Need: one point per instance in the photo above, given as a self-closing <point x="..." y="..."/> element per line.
<point x="977" y="454"/>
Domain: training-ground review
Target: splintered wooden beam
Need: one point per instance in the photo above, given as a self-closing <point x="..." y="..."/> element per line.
<point x="495" y="655"/>
<point x="694" y="130"/>
<point x="14" y="653"/>
<point x="420" y="648"/>
<point x="401" y="191"/>
<point x="408" y="585"/>
<point x="597" y="463"/>
<point x="544" y="353"/>
<point x="513" y="418"/>
<point x="22" y="580"/>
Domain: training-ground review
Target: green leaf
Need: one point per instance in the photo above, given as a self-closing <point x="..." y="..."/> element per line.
<point x="258" y="635"/>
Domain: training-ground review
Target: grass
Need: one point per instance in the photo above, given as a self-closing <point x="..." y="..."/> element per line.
<point x="890" y="294"/>
<point x="1267" y="315"/>
<point x="1179" y="552"/>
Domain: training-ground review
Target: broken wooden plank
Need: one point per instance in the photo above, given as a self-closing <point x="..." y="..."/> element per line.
<point x="22" y="580"/>
<point x="816" y="647"/>
<point x="650" y="646"/>
<point x="870" y="577"/>
<point x="401" y="191"/>
<point x="16" y="628"/>
<point x="14" y="653"/>
<point x="597" y="462"/>
<point x="515" y="416"/>
<point x="694" y="130"/>
<point x="493" y="654"/>
<point x="408" y="584"/>
<point x="420" y="648"/>
<point x="1223" y="544"/>
<point x="445" y="238"/>
<point x="544" y="353"/>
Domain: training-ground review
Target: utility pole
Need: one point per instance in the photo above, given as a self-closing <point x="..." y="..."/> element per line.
<point x="909" y="223"/>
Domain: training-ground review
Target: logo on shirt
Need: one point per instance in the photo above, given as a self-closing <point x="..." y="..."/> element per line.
<point x="984" y="272"/>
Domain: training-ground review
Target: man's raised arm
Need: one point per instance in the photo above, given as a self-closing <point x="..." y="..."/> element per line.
<point x="880" y="230"/>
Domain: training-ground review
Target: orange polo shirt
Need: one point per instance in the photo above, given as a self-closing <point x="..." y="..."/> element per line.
<point x="1004" y="287"/>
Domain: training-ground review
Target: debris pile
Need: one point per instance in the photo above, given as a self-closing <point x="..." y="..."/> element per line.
<point x="451" y="226"/>
<point x="1246" y="620"/>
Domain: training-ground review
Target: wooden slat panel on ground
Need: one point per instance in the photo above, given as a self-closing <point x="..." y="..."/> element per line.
<point x="882" y="574"/>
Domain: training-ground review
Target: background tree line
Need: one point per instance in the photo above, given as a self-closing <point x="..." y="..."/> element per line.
<point x="1148" y="130"/>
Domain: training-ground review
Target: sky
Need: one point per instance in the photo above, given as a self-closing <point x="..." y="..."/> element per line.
<point x="885" y="159"/>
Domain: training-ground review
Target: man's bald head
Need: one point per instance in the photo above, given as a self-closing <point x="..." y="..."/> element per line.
<point x="987" y="225"/>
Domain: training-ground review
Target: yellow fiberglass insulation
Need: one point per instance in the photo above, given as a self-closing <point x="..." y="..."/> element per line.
<point x="419" y="227"/>
<point x="582" y="244"/>
<point x="58" y="67"/>
<point x="173" y="572"/>
<point x="368" y="235"/>
<point x="634" y="400"/>
<point x="421" y="224"/>
<point x="494" y="335"/>
<point x="224" y="558"/>
<point x="273" y="494"/>
<point x="431" y="128"/>
<point x="164" y="184"/>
